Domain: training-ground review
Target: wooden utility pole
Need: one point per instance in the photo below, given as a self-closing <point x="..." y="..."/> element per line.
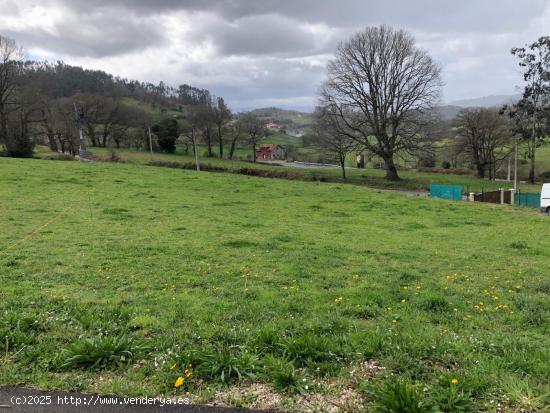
<point x="150" y="142"/>
<point x="516" y="167"/>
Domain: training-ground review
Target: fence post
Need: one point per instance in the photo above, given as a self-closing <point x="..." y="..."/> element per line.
<point x="512" y="196"/>
<point x="471" y="197"/>
<point x="501" y="196"/>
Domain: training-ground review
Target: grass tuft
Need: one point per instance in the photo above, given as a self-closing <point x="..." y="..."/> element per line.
<point x="97" y="353"/>
<point x="399" y="397"/>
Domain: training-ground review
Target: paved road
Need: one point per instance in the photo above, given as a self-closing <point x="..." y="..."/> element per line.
<point x="16" y="400"/>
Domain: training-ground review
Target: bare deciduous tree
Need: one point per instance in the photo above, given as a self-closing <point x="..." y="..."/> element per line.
<point x="222" y="115"/>
<point x="254" y="128"/>
<point x="331" y="139"/>
<point x="14" y="117"/>
<point x="191" y="127"/>
<point x="236" y="134"/>
<point x="485" y="137"/>
<point x="381" y="90"/>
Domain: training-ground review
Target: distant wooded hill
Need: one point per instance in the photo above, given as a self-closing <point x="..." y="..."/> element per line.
<point x="284" y="117"/>
<point x="59" y="80"/>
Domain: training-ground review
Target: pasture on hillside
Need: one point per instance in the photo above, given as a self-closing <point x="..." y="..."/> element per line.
<point x="122" y="278"/>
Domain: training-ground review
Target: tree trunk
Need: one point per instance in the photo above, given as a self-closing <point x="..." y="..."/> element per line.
<point x="254" y="151"/>
<point x="220" y="140"/>
<point x="343" y="166"/>
<point x="52" y="142"/>
<point x="208" y="139"/>
<point x="91" y="134"/>
<point x="391" y="170"/>
<point x="533" y="145"/>
<point x="480" y="170"/>
<point x="232" y="148"/>
<point x="532" y="165"/>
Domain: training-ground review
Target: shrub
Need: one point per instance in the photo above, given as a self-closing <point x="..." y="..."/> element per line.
<point x="446" y="165"/>
<point x="60" y="157"/>
<point x="18" y="144"/>
<point x="427" y="160"/>
<point x="399" y="397"/>
<point x="266" y="173"/>
<point x="545" y="175"/>
<point x="457" y="171"/>
<point x="519" y="245"/>
<point x="97" y="353"/>
<point x="167" y="134"/>
<point x="114" y="157"/>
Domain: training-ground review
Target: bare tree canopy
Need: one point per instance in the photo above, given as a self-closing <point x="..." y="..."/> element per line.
<point x="485" y="137"/>
<point x="331" y="139"/>
<point x="381" y="90"/>
<point x="222" y="115"/>
<point x="14" y="131"/>
<point x="254" y="129"/>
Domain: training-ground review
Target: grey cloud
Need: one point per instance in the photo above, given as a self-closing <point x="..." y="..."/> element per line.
<point x="476" y="15"/>
<point x="263" y="35"/>
<point x="94" y="35"/>
<point x="252" y="51"/>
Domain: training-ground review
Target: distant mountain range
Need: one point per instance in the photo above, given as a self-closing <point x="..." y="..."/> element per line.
<point x="486" y="101"/>
<point x="450" y="110"/>
<point x="447" y="111"/>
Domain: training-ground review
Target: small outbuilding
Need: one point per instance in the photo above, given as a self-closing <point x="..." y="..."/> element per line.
<point x="270" y="151"/>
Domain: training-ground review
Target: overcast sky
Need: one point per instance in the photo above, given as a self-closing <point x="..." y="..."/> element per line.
<point x="259" y="53"/>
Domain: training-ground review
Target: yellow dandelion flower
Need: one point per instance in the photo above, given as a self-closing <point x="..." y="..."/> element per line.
<point x="454" y="381"/>
<point x="179" y="382"/>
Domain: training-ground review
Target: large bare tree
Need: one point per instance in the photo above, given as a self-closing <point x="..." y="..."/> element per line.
<point x="381" y="90"/>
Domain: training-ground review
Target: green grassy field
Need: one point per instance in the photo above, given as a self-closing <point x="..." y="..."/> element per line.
<point x="119" y="278"/>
